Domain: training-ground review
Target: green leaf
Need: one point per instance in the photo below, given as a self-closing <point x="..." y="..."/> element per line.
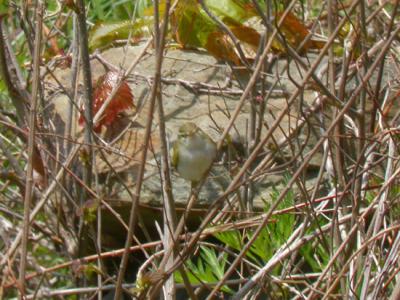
<point x="191" y="25"/>
<point x="4" y="7"/>
<point x="209" y="268"/>
<point x="316" y="256"/>
<point x="211" y="258"/>
<point x="230" y="238"/>
<point x="142" y="6"/>
<point x="231" y="11"/>
<point x="262" y="247"/>
<point x="104" y="35"/>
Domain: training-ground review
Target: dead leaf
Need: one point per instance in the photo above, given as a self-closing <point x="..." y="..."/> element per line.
<point x="295" y="32"/>
<point x="122" y="100"/>
<point x="220" y="46"/>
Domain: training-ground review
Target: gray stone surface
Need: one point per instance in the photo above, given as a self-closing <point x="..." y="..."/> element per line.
<point x="187" y="77"/>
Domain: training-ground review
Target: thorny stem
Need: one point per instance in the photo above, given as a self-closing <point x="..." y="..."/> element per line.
<point x="87" y="90"/>
<point x="87" y="151"/>
<point x="15" y="95"/>
<point x="147" y="137"/>
<point x="169" y="204"/>
<point x="31" y="146"/>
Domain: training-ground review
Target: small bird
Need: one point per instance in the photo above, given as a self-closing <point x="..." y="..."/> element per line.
<point x="193" y="152"/>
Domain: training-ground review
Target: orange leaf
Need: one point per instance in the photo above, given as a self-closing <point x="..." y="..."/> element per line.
<point x="53" y="47"/>
<point x="122" y="100"/>
<point x="220" y="46"/>
<point x="39" y="170"/>
<point x="246" y="34"/>
<point x="295" y="33"/>
<point x="71" y="4"/>
<point x="293" y="29"/>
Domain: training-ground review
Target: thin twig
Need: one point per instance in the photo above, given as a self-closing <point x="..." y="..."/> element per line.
<point x="135" y="201"/>
<point x="31" y="146"/>
<point x="16" y="96"/>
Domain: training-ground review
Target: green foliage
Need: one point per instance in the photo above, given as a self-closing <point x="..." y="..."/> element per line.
<point x="276" y="233"/>
<point x="315" y="255"/>
<point x="106" y="34"/>
<point x="115" y="11"/>
<point x="90" y="211"/>
<point x="192" y="25"/>
<point x="46" y="256"/>
<point x="4" y="6"/>
<point x="232" y="238"/>
<point x="394" y="196"/>
<point x="273" y="237"/>
<point x="369" y="196"/>
<point x="102" y="10"/>
<point x="91" y="270"/>
<point x="5" y="101"/>
<point x="394" y="191"/>
<point x="231" y="10"/>
<point x="209" y="268"/>
<point x="270" y="238"/>
<point x="141" y="6"/>
<point x="114" y="22"/>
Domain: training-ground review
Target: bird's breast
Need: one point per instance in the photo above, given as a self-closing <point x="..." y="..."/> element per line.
<point x="194" y="159"/>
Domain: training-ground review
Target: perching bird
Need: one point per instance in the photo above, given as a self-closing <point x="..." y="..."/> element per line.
<point x="193" y="152"/>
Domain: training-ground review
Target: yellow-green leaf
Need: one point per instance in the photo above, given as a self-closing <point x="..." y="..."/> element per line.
<point x="105" y="35"/>
<point x="237" y="11"/>
<point x="190" y="25"/>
